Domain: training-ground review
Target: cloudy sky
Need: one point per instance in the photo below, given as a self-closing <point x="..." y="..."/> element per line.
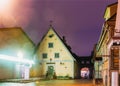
<point x="80" y="21"/>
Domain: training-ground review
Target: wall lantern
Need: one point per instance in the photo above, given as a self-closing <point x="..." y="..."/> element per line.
<point x="50" y="59"/>
<point x="61" y="63"/>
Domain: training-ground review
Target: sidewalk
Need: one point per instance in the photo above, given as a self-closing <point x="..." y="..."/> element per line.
<point x="97" y="82"/>
<point x="21" y="80"/>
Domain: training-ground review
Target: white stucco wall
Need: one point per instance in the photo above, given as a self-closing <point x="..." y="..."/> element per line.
<point x="65" y="56"/>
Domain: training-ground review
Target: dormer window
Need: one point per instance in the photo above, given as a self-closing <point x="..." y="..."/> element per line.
<point x="51" y="35"/>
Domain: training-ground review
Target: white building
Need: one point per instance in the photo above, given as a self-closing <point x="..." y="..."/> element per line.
<point x="53" y="54"/>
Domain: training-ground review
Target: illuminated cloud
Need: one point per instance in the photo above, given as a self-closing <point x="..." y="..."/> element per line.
<point x="17" y="13"/>
<point x="5" y="6"/>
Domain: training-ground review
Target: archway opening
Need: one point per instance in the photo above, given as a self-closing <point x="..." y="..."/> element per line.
<point x="85" y="73"/>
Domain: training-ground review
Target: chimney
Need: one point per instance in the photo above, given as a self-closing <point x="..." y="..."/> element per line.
<point x="64" y="40"/>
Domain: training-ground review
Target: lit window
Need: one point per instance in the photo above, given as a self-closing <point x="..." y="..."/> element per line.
<point x="50" y="45"/>
<point x="44" y="55"/>
<point x="56" y="55"/>
<point x="82" y="62"/>
<point x="87" y="62"/>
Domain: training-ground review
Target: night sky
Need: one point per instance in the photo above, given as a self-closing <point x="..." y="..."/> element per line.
<point x="80" y="21"/>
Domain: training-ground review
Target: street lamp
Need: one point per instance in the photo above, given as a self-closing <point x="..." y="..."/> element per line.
<point x="20" y="55"/>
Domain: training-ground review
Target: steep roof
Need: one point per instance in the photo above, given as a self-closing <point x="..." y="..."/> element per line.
<point x="62" y="41"/>
<point x="13" y="40"/>
<point x="110" y="10"/>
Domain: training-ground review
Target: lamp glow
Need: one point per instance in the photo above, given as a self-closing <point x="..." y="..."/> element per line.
<point x="20" y="55"/>
<point x="15" y="59"/>
<point x="4" y="4"/>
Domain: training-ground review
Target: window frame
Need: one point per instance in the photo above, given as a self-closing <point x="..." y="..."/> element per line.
<point x="44" y="55"/>
<point x="50" y="45"/>
<point x="57" y="55"/>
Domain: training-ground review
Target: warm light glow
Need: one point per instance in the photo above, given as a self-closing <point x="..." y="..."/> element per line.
<point x="15" y="12"/>
<point x="16" y="59"/>
<point x="85" y="72"/>
<point x="4" y="4"/>
<point x="20" y="55"/>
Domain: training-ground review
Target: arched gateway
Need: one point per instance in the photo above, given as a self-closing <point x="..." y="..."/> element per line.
<point x="85" y="73"/>
<point x="86" y="67"/>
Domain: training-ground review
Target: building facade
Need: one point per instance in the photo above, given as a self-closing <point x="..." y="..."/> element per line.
<point x="16" y="51"/>
<point x="97" y="71"/>
<point x="53" y="57"/>
<point x="108" y="47"/>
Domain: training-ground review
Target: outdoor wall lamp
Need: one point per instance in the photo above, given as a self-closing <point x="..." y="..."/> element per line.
<point x="61" y="63"/>
<point x="50" y="59"/>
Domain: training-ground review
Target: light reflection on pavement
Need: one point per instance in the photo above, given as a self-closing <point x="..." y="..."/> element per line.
<point x="17" y="84"/>
<point x="52" y="83"/>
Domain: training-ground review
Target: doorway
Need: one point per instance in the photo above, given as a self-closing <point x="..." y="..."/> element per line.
<point x="50" y="72"/>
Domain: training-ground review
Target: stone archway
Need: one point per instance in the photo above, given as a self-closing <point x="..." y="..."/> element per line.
<point x="85" y="73"/>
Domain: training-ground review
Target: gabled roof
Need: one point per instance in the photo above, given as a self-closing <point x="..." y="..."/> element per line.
<point x="62" y="41"/>
<point x="110" y="17"/>
<point x="11" y="31"/>
<point x="110" y="10"/>
<point x="14" y="38"/>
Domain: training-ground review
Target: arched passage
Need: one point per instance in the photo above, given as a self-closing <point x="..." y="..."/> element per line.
<point x="84" y="73"/>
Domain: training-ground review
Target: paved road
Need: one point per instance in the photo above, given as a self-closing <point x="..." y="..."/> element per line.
<point x="52" y="83"/>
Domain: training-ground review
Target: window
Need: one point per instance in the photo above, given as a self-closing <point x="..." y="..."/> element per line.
<point x="115" y="58"/>
<point x="82" y="62"/>
<point x="56" y="55"/>
<point x="50" y="45"/>
<point x="88" y="62"/>
<point x="44" y="55"/>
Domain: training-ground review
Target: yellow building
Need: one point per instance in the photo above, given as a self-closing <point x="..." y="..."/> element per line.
<point x="53" y="57"/>
<point x="108" y="47"/>
<point x="16" y="51"/>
